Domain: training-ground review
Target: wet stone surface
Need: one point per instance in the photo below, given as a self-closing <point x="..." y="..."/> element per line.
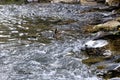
<point x="105" y="56"/>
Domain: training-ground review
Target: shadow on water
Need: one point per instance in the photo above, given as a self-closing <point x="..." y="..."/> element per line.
<point x="32" y="30"/>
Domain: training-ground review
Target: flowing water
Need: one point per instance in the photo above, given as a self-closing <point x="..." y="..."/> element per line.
<point x="30" y="49"/>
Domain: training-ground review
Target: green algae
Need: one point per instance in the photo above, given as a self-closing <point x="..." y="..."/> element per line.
<point x="101" y="67"/>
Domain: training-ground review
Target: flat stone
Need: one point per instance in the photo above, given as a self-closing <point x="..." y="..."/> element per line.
<point x="115" y="79"/>
<point x="114" y="68"/>
<point x="108" y="26"/>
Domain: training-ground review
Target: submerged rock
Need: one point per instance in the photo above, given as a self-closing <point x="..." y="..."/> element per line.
<point x="114" y="68"/>
<point x="112" y="71"/>
<point x="107" y="35"/>
<point x="117" y="78"/>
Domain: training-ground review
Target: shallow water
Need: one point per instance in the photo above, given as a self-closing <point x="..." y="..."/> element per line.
<point x="29" y="50"/>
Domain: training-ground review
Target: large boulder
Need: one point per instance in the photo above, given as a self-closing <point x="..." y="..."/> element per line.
<point x="113" y="2"/>
<point x="96" y="48"/>
<point x="108" y="30"/>
<point x="108" y="26"/>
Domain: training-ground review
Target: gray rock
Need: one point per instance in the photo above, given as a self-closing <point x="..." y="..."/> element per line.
<point x="114" y="67"/>
<point x="115" y="79"/>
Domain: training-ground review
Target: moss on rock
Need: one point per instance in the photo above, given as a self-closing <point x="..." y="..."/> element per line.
<point x="93" y="60"/>
<point x="113" y="25"/>
<point x="114" y="45"/>
<point x="101" y="67"/>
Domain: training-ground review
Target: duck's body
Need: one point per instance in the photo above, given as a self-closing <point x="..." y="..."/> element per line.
<point x="57" y="34"/>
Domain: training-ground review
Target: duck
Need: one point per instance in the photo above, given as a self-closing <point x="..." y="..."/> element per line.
<point x="57" y="34"/>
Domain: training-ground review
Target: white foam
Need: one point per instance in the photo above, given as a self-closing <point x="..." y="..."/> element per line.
<point x="107" y="53"/>
<point x="96" y="43"/>
<point x="4" y="35"/>
<point x="115" y="78"/>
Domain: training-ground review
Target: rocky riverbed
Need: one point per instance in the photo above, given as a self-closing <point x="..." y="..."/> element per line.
<point x="47" y="42"/>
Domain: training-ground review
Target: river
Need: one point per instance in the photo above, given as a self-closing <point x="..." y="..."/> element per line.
<point x="30" y="49"/>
